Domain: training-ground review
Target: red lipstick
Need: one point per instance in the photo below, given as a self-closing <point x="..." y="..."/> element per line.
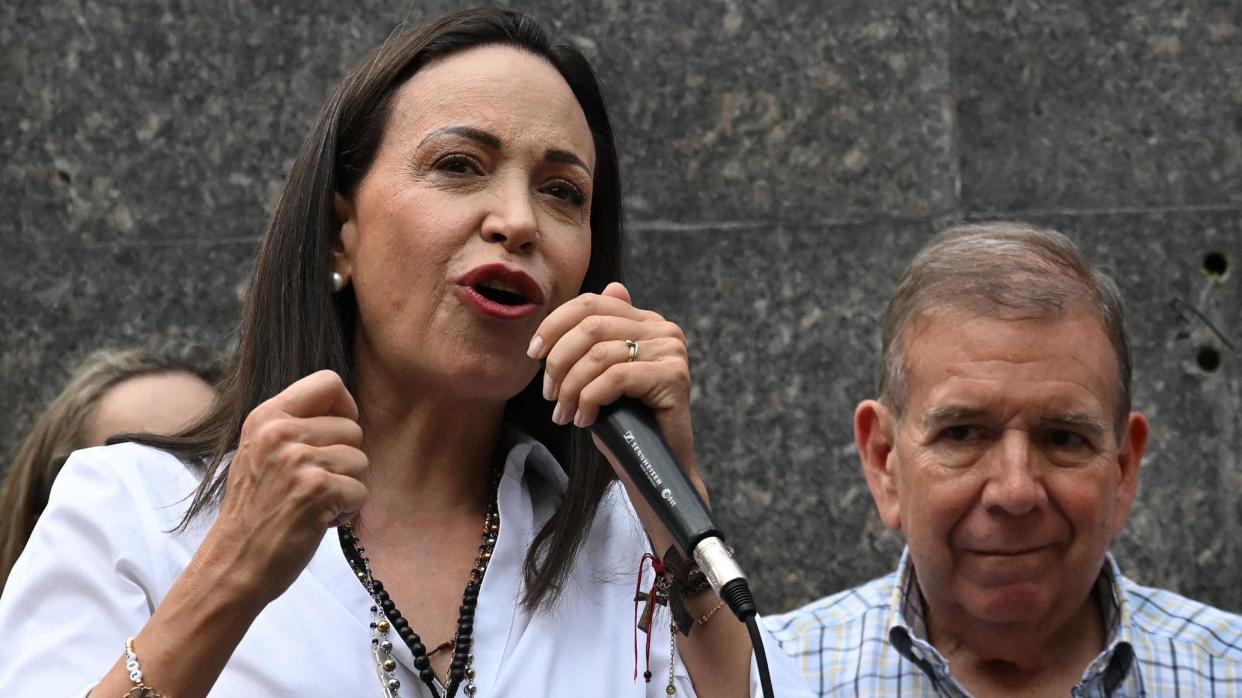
<point x="500" y="292"/>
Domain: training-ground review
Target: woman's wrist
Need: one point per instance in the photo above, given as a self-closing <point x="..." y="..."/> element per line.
<point x="187" y="641"/>
<point x="224" y="569"/>
<point x="196" y="628"/>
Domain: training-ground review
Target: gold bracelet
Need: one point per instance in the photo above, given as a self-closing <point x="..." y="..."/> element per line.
<point x="708" y="616"/>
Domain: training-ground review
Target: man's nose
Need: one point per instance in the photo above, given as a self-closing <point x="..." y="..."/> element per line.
<point x="1015" y="484"/>
<point x="511" y="220"/>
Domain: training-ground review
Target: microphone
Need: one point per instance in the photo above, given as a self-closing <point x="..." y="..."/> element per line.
<point x="628" y="430"/>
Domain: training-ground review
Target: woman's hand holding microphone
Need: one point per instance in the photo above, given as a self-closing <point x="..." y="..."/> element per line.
<point x="590" y="364"/>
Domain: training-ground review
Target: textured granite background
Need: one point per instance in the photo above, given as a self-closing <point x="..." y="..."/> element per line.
<point x="783" y="159"/>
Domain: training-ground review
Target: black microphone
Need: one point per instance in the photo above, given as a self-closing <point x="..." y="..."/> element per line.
<point x="628" y="430"/>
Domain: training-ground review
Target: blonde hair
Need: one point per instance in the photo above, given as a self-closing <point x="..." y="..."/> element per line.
<point x="65" y="427"/>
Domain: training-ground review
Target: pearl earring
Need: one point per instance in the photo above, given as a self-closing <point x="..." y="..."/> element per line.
<point x="338" y="281"/>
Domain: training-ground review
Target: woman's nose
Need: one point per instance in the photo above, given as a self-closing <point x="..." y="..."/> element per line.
<point x="1015" y="485"/>
<point x="512" y="221"/>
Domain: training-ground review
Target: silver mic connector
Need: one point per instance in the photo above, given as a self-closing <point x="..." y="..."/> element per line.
<point x="716" y="562"/>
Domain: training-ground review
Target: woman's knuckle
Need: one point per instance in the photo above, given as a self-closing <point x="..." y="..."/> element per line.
<point x="312" y="483"/>
<point x="307" y="454"/>
<point x="589" y="302"/>
<point x="614" y="375"/>
<point x="593" y="326"/>
<point x="555" y="374"/>
<point x="288" y="430"/>
<point x="590" y="394"/>
<point x="681" y="374"/>
<point x="254" y="421"/>
<point x="267" y="436"/>
<point x="332" y="380"/>
<point x="673" y="330"/>
<point x="599" y="353"/>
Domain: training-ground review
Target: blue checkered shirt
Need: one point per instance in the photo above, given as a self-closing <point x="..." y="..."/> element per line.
<point x="872" y="641"/>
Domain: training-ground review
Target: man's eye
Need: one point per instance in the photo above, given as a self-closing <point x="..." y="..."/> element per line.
<point x="1064" y="438"/>
<point x="458" y="164"/>
<point x="960" y="433"/>
<point x="565" y="192"/>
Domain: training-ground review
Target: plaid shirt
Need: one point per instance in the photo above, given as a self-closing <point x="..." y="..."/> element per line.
<point x="872" y="641"/>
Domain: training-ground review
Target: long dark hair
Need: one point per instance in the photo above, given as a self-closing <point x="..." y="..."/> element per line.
<point x="293" y="325"/>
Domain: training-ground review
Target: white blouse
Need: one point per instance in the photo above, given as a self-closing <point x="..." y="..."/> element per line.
<point x="101" y="559"/>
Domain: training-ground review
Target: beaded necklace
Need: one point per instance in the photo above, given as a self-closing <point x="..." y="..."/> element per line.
<point x="385" y="616"/>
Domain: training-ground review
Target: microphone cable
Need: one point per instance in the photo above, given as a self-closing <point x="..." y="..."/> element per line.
<point x="628" y="429"/>
<point x="761" y="656"/>
<point x="737" y="596"/>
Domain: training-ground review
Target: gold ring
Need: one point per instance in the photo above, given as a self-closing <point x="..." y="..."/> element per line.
<point x="632" y="344"/>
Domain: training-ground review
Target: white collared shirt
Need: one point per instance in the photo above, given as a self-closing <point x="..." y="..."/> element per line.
<point x="102" y="558"/>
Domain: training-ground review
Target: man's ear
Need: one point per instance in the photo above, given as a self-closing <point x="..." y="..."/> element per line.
<point x="1129" y="456"/>
<point x="875" y="432"/>
<point x="346" y="244"/>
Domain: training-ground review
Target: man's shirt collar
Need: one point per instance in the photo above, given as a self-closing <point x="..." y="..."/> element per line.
<point x="907" y="632"/>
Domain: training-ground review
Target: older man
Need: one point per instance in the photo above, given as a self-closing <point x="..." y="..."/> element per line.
<point x="1004" y="449"/>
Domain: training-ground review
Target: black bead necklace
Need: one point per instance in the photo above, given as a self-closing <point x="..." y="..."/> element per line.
<point x="386" y="616"/>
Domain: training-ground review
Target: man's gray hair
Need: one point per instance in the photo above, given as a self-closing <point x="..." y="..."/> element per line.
<point x="995" y="269"/>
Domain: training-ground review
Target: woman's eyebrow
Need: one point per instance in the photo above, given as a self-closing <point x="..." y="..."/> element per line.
<point x="555" y="155"/>
<point x="474" y="134"/>
<point x="493" y="142"/>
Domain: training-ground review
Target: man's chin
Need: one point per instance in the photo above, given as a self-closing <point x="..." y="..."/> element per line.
<point x="1019" y="603"/>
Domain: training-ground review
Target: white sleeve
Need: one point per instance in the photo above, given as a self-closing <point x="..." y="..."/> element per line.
<point x="82" y="585"/>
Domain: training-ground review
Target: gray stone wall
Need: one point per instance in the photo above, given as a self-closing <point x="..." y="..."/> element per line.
<point x="783" y="159"/>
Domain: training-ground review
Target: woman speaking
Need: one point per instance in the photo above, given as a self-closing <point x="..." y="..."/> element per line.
<point x="391" y="496"/>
